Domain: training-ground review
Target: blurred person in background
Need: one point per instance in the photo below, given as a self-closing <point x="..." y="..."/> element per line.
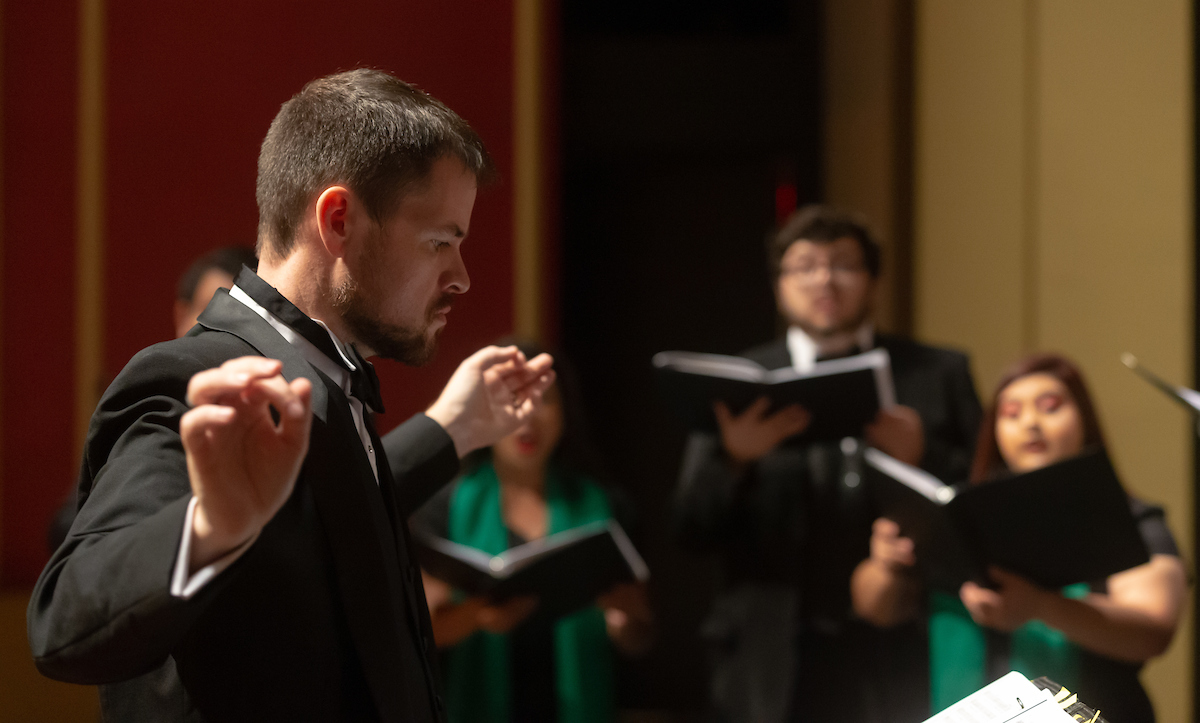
<point x="1092" y="638"/>
<point x="504" y="662"/>
<point x="214" y="270"/>
<point x="790" y="519"/>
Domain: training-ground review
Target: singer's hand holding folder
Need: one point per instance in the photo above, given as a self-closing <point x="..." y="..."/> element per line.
<point x="842" y="395"/>
<point x="1061" y="524"/>
<point x="565" y="571"/>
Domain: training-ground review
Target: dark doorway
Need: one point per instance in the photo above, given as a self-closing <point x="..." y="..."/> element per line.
<point x="682" y="120"/>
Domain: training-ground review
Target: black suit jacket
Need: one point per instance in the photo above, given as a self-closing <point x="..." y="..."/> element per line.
<point x="323" y="618"/>
<point x="789" y="531"/>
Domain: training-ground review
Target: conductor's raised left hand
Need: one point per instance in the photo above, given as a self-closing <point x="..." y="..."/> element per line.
<point x="490" y="395"/>
<point x="242" y="462"/>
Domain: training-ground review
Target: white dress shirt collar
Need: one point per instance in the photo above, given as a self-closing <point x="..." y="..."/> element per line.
<point x="321" y="361"/>
<point x="804" y="350"/>
<point x="311" y="353"/>
<point x="182" y="584"/>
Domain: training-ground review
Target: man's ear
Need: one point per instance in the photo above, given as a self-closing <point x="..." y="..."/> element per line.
<point x="338" y="212"/>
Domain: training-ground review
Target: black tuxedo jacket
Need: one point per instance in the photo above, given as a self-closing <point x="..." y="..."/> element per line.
<point x="789" y="531"/>
<point x="323" y="618"/>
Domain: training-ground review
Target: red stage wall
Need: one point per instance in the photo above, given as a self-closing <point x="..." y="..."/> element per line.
<point x="37" y="370"/>
<point x="190" y="91"/>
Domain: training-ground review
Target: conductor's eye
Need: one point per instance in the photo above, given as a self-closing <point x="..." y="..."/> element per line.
<point x="1010" y="410"/>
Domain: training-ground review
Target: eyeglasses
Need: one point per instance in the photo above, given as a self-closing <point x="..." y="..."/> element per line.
<point x="808" y="272"/>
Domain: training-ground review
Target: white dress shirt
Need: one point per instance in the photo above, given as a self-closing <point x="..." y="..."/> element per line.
<point x="804" y="350"/>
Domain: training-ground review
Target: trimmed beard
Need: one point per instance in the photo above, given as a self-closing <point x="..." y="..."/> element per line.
<point x="357" y="308"/>
<point x="848" y="327"/>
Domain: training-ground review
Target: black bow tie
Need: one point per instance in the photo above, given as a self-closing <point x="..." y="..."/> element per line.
<point x="364" y="384"/>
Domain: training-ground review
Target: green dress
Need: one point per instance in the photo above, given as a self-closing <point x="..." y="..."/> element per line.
<point x="959" y="660"/>
<point x="478" y="669"/>
<point x="964" y="657"/>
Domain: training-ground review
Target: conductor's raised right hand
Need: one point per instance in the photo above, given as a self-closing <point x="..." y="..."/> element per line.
<point x="491" y="394"/>
<point x="241" y="463"/>
<point x="753" y="433"/>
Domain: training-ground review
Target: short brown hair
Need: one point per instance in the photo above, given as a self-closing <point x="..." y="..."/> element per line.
<point x="988" y="463"/>
<point x="363" y="128"/>
<point x="823" y="224"/>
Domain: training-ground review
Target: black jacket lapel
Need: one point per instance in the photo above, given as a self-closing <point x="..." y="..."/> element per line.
<point x="365" y="559"/>
<point x="415" y="590"/>
<point x="224" y="313"/>
<point x="351" y="508"/>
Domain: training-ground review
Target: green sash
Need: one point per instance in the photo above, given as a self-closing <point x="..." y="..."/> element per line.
<point x="958" y="654"/>
<point x="478" y="681"/>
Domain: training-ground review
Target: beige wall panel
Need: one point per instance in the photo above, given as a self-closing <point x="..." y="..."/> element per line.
<point x="1054" y="210"/>
<point x="25" y="694"/>
<point x="858" y="146"/>
<point x="1114" y="241"/>
<point x="969" y="167"/>
<point x="861" y="107"/>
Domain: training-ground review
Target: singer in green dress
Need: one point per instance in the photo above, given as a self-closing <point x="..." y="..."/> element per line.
<point x="503" y="662"/>
<point x="1092" y="637"/>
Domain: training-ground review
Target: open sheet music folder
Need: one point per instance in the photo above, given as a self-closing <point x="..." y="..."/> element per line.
<point x="1015" y="699"/>
<point x="1065" y="523"/>
<point x="843" y="395"/>
<point x="565" y="571"/>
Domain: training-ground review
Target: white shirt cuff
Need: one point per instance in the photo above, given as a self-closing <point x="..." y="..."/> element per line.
<point x="183" y="586"/>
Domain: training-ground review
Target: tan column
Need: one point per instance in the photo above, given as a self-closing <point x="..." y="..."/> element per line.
<point x="528" y="211"/>
<point x="1115" y="239"/>
<point x="969" y="179"/>
<point x="2" y="325"/>
<point x="89" y="250"/>
<point x="867" y="149"/>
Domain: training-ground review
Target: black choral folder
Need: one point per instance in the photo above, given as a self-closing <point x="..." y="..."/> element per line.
<point x="1065" y="523"/>
<point x="566" y="571"/>
<point x="843" y="395"/>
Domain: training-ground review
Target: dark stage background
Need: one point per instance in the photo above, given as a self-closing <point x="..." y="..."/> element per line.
<point x="682" y="122"/>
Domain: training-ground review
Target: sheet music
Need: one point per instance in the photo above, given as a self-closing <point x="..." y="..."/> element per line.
<point x="1011" y="699"/>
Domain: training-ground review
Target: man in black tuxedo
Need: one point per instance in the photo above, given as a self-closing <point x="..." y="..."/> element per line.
<point x="791" y="518"/>
<point x="241" y="553"/>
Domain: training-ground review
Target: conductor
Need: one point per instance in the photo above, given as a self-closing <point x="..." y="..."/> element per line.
<point x="240" y="553"/>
